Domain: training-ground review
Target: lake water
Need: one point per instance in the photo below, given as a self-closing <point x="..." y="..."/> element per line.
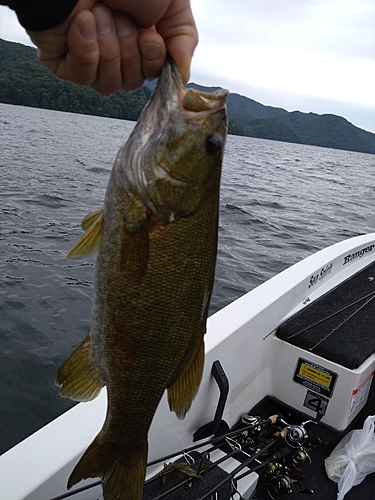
<point x="280" y="202"/>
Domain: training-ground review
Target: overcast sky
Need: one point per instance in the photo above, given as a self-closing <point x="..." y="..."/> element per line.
<point x="307" y="55"/>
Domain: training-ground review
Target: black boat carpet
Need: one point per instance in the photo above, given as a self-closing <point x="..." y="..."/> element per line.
<point x="349" y="310"/>
<point x="192" y="489"/>
<point x="314" y="475"/>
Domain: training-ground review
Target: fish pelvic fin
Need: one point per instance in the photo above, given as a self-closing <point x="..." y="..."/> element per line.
<point x="182" y="392"/>
<point x="123" y="474"/>
<point x="89" y="242"/>
<point x="78" y="378"/>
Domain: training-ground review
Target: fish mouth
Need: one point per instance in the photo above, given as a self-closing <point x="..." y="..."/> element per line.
<point x="171" y="111"/>
<point x="170" y="90"/>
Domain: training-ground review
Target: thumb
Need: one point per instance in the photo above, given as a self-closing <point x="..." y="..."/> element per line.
<point x="181" y="37"/>
<point x="181" y="48"/>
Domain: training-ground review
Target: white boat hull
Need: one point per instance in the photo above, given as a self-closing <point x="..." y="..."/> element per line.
<point x="255" y="361"/>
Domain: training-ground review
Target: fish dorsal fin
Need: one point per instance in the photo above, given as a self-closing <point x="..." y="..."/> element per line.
<point x="182" y="392"/>
<point x="88" y="243"/>
<point x="78" y="377"/>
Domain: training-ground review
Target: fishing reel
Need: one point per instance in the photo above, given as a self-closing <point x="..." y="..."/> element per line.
<point x="297" y="435"/>
<point x="254" y="422"/>
<point x="272" y="470"/>
<point x="281" y="479"/>
<point x="282" y="449"/>
<point x="281" y="486"/>
<point x="300" y="457"/>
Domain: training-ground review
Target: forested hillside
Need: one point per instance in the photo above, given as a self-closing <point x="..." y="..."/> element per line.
<point x="266" y="122"/>
<point x="25" y="82"/>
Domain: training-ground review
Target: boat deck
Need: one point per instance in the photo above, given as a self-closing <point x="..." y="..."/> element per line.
<point x="339" y="326"/>
<point x="322" y="441"/>
<point x="314" y="475"/>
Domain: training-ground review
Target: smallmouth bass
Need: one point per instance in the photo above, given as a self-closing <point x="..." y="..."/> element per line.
<point x="156" y="238"/>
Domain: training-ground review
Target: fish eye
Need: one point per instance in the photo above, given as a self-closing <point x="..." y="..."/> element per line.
<point x="214" y="144"/>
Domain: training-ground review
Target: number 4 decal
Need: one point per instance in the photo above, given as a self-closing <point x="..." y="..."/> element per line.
<point x="316" y="402"/>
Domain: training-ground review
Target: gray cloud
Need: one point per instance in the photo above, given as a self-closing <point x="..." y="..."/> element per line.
<point x="311" y="55"/>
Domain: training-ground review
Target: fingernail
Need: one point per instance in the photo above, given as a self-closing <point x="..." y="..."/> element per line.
<point x="151" y="51"/>
<point x="103" y="21"/>
<point x="124" y="25"/>
<point x="87" y="29"/>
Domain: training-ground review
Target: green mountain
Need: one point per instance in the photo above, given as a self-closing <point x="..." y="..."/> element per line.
<point x="25" y="82"/>
<point x="267" y="122"/>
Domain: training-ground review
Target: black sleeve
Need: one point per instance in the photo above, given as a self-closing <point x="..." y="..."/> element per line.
<point x="39" y="15"/>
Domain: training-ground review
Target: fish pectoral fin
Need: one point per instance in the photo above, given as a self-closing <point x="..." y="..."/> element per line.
<point x="78" y="377"/>
<point x="88" y="243"/>
<point x="182" y="392"/>
<point x="91" y="219"/>
<point x="123" y="474"/>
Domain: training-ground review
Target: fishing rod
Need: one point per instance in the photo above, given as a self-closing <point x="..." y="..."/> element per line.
<point x="217" y="441"/>
<point x="295" y="437"/>
<point x="195" y="447"/>
<point x="77" y="490"/>
<point x="238" y="469"/>
<point x="252" y="436"/>
<point x="212" y="466"/>
<point x="299" y="436"/>
<point x="204" y="457"/>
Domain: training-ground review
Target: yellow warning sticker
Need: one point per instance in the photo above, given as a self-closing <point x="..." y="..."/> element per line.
<point x="315" y="375"/>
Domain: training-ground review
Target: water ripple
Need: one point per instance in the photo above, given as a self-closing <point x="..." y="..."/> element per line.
<point x="279" y="203"/>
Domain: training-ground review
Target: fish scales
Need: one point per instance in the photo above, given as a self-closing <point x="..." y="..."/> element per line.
<point x="157" y="241"/>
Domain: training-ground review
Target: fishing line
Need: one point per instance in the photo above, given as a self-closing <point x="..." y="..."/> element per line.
<point x="371" y="294"/>
<point x="342" y="322"/>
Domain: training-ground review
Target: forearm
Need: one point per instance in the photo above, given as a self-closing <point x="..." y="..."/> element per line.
<point x="40" y="15"/>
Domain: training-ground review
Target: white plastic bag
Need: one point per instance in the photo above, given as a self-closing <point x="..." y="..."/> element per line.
<point x="353" y="458"/>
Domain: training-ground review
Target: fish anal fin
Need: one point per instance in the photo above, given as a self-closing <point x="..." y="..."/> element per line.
<point x="123" y="474"/>
<point x="78" y="377"/>
<point x="90" y="241"/>
<point x="182" y="392"/>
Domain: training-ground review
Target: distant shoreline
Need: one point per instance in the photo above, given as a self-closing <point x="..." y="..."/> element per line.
<point x="25" y="82"/>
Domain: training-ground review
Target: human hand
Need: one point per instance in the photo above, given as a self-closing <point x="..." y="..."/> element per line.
<point x="118" y="43"/>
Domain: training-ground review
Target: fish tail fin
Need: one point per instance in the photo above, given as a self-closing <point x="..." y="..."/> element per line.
<point x="123" y="474"/>
<point x="182" y="392"/>
<point x="88" y="243"/>
<point x="78" y="378"/>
